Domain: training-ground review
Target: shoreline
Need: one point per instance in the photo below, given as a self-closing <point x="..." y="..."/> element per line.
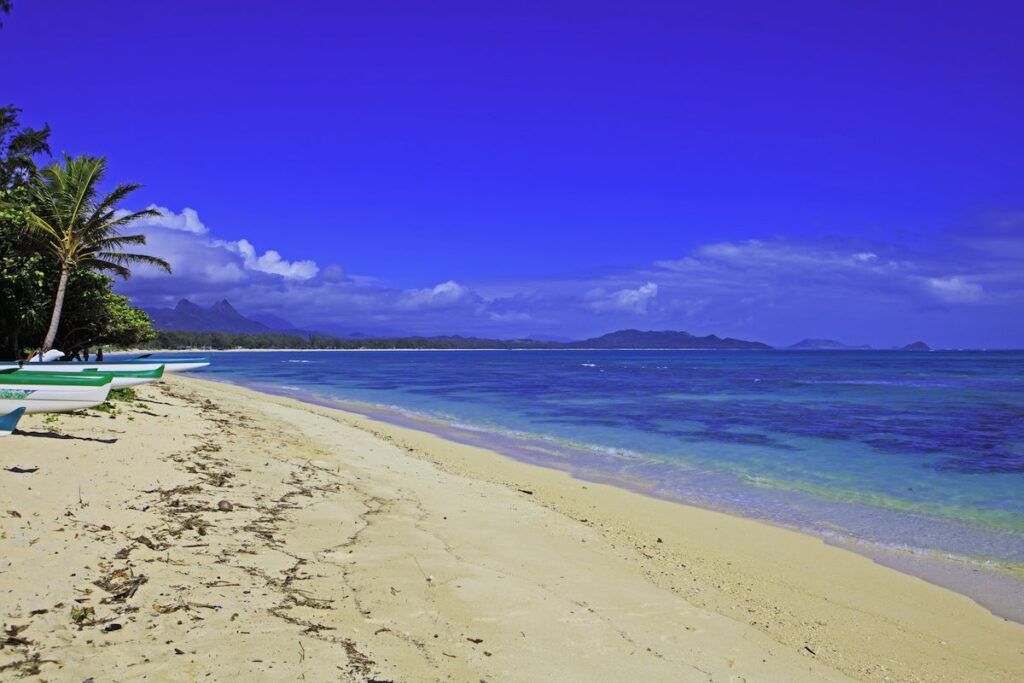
<point x="729" y="589"/>
<point x="994" y="584"/>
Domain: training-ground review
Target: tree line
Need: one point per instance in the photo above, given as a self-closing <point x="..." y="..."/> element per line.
<point x="180" y="340"/>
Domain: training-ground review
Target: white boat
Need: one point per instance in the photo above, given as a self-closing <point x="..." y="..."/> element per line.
<point x="144" y="362"/>
<point x="10" y="420"/>
<point x="173" y="363"/>
<point x="45" y="392"/>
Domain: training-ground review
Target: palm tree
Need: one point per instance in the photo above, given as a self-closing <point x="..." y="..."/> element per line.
<point x="80" y="229"/>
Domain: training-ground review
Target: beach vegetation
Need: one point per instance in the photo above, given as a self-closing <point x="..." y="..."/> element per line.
<point x="126" y="394"/>
<point x="22" y="268"/>
<point x="60" y="241"/>
<point x="82" y="615"/>
<point x="115" y="397"/>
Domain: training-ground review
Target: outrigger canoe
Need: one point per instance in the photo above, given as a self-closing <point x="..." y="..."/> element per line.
<point x="10" y="420"/>
<point x="171" y="365"/>
<point x="46" y="392"/>
<point x="122" y="378"/>
<point x="131" y="378"/>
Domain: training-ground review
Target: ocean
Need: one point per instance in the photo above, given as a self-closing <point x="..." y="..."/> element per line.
<point x="914" y="459"/>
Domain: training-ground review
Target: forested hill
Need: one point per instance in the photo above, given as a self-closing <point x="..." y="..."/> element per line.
<point x="663" y="339"/>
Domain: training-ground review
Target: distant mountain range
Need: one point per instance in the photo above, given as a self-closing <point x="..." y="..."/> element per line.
<point x="225" y="318"/>
<point x="222" y="317"/>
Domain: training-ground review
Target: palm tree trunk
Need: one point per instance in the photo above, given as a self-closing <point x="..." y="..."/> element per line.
<point x="58" y="305"/>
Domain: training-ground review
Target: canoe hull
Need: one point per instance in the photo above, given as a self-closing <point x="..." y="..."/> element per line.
<point x="172" y="363"/>
<point x="122" y="382"/>
<point x="185" y="367"/>
<point x="50" y="399"/>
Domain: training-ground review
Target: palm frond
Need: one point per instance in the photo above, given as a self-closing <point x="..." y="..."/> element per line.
<point x="79" y="227"/>
<point x="116" y="242"/>
<point x="101" y="264"/>
<point x="92" y="170"/>
<point x="115" y="197"/>
<point x="38" y="223"/>
<point x="124" y="259"/>
<point x="109" y="222"/>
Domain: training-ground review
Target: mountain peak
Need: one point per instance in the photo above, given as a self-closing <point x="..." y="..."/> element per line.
<point x="187" y="306"/>
<point x="220" y="317"/>
<point x="224" y="306"/>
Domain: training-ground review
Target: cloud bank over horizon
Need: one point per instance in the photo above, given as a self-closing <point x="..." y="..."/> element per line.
<point x="964" y="289"/>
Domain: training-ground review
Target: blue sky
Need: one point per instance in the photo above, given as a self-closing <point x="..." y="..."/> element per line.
<point x="763" y="170"/>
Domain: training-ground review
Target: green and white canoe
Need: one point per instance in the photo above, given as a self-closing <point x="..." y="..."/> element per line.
<point x="50" y="392"/>
<point x="122" y="378"/>
<point x="131" y="378"/>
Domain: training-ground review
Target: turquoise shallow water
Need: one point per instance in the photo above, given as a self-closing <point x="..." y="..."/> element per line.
<point x="916" y="451"/>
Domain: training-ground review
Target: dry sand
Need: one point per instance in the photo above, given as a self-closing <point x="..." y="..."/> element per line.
<point x="349" y="549"/>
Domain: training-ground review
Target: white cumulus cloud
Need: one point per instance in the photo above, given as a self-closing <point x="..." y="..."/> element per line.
<point x="955" y="289"/>
<point x="186" y="221"/>
<point x="445" y="294"/>
<point x="185" y="242"/>
<point x="624" y="300"/>
<point x="271" y="262"/>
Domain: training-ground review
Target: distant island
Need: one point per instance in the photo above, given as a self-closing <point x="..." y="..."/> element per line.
<point x="825" y="345"/>
<point x="221" y="326"/>
<point x="665" y="339"/>
<point x="833" y="345"/>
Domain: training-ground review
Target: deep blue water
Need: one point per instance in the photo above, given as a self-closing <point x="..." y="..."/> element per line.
<point x="915" y="450"/>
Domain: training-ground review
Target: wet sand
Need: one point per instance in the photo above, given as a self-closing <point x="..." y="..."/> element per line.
<point x="211" y="532"/>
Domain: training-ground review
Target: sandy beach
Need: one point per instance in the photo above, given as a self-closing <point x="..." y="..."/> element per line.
<point x="208" y="532"/>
